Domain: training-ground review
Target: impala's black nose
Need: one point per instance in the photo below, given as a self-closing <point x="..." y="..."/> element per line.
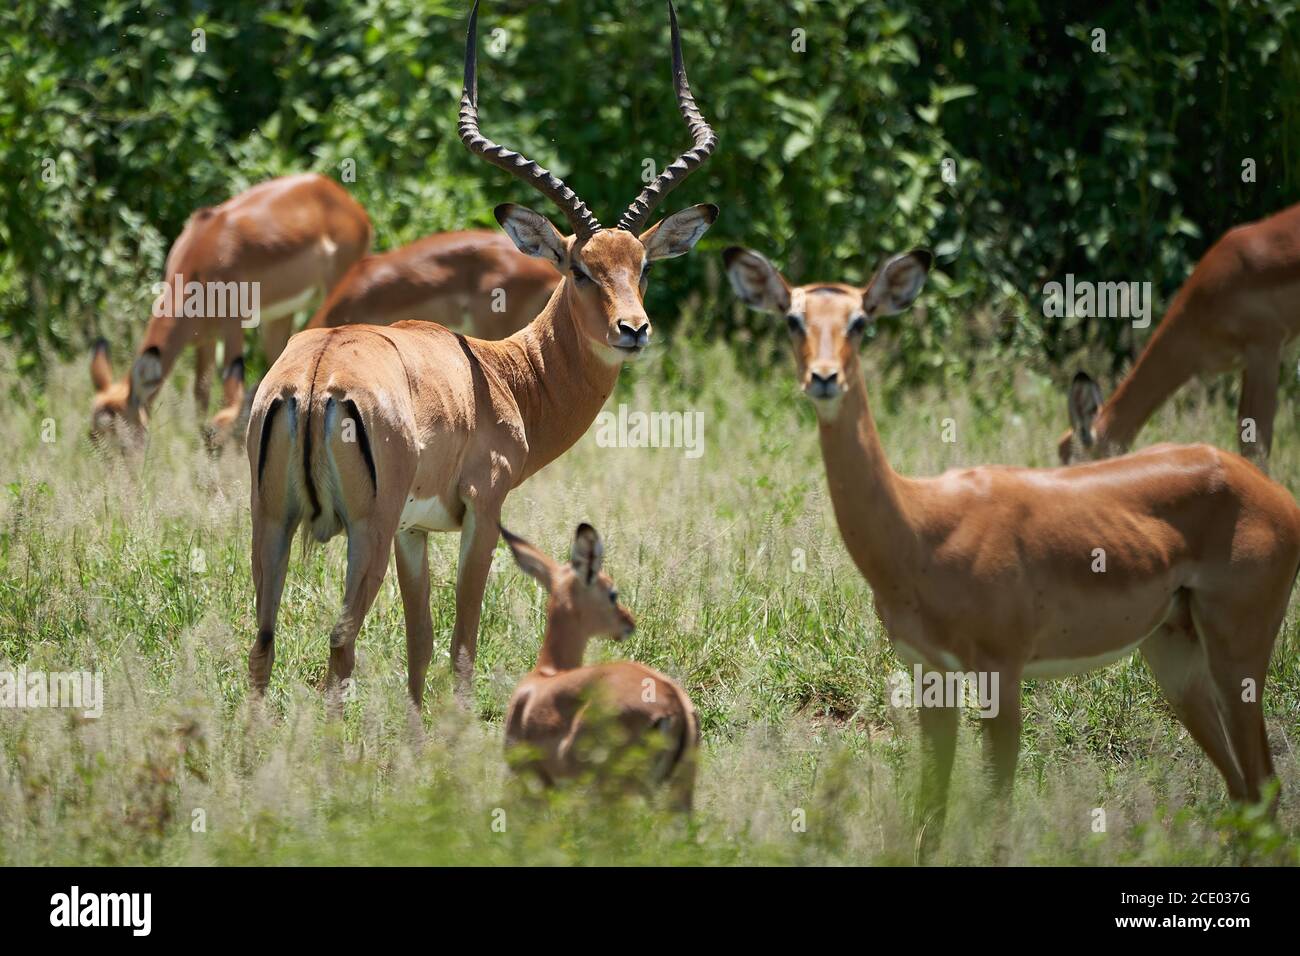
<point x="823" y="384"/>
<point x="633" y="336"/>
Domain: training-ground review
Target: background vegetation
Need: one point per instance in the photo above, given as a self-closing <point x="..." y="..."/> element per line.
<point x="1117" y="165"/>
<point x="1122" y="165"/>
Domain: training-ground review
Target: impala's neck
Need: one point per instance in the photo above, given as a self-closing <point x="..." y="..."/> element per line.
<point x="1164" y="365"/>
<point x="559" y="380"/>
<point x="869" y="498"/>
<point x="563" y="647"/>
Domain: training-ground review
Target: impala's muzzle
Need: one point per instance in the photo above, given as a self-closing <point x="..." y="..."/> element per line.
<point x="111" y="431"/>
<point x="823" y="383"/>
<point x="633" y="335"/>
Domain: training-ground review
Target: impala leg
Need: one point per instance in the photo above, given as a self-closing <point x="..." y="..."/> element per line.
<point x="368" y="545"/>
<point x="1177" y="660"/>
<point x="1258" y="403"/>
<point x="1244" y="721"/>
<point x="1238" y="635"/>
<point x="275" y="336"/>
<point x="271" y="545"/>
<point x="232" y="341"/>
<point x="1247" y="731"/>
<point x="566" y="751"/>
<point x="205" y="357"/>
<point x="478" y="539"/>
<point x="938" y="746"/>
<point x="412" y="551"/>
<point x="275" y="518"/>
<point x="1001" y="726"/>
<point x="1002" y="737"/>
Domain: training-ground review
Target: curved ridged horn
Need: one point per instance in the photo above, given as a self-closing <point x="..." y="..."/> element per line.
<point x="546" y="183"/>
<point x="687" y="162"/>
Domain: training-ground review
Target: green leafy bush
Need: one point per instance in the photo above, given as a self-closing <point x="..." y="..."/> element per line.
<point x="835" y="118"/>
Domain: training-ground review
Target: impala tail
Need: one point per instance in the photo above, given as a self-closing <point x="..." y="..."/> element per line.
<point x="336" y="459"/>
<point x="312" y="452"/>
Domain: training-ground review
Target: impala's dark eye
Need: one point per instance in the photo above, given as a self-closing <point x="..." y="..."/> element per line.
<point x="645" y="272"/>
<point x="579" y="276"/>
<point x="857" y="324"/>
<point x="613" y="597"/>
<point x="795" y="323"/>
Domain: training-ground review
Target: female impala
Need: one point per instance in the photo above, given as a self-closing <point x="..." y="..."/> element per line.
<point x="291" y="238"/>
<point x="560" y="706"/>
<point x="996" y="569"/>
<point x="473" y="281"/>
<point x="1239" y="308"/>
<point x="390" y="432"/>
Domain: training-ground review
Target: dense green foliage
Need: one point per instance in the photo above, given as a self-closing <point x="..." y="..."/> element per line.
<point x="1116" y="165"/>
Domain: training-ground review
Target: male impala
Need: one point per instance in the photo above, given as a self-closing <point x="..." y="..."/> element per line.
<point x="999" y="570"/>
<point x="474" y="282"/>
<point x="395" y="431"/>
<point x="293" y="237"/>
<point x="561" y="708"/>
<point x="1241" y="306"/>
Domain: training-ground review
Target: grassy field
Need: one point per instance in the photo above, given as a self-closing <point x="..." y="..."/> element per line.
<point x="742" y="589"/>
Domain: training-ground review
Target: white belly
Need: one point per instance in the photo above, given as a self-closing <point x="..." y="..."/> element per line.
<point x="426" y="514"/>
<point x="278" y="310"/>
<point x="1064" y="667"/>
<point x="1079" y="665"/>
<point x="910" y="655"/>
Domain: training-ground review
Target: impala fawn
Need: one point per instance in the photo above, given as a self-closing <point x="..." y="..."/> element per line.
<point x="561" y="708"/>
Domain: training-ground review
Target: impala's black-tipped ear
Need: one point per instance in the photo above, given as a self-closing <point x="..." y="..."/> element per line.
<point x="588" y="553"/>
<point x="756" y="281"/>
<point x="1084" y="402"/>
<point x="530" y="560"/>
<point x="532" y="233"/>
<point x="146" y="376"/>
<point x="897" y="284"/>
<point x="677" y="234"/>
<point x="101" y="369"/>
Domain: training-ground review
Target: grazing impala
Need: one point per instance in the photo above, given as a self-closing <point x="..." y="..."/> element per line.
<point x="390" y="432"/>
<point x="1240" y="307"/>
<point x="560" y="705"/>
<point x="1186" y="551"/>
<point x="474" y="282"/>
<point x="292" y="237"/>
